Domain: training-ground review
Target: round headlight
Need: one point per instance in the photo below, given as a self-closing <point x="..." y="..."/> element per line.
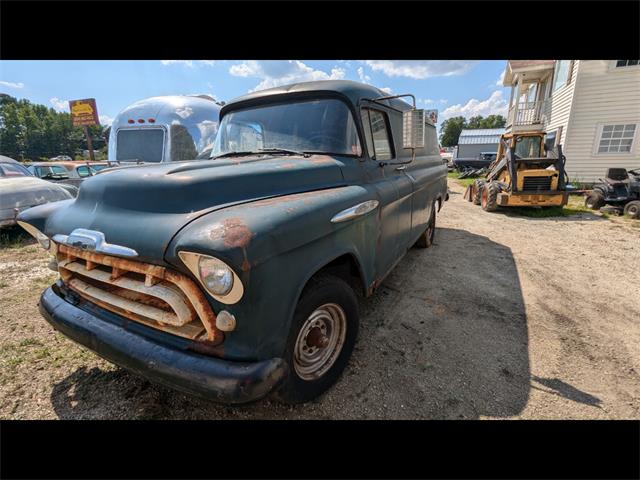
<point x="216" y="276"/>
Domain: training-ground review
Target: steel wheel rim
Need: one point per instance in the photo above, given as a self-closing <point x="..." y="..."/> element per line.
<point x="327" y="323"/>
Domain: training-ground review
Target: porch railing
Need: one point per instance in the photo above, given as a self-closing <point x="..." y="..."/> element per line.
<point x="526" y="113"/>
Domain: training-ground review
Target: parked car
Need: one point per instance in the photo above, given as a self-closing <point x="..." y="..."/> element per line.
<point x="19" y="190"/>
<point x="61" y="158"/>
<point x="164" y="129"/>
<point x="483" y="160"/>
<point x="71" y="173"/>
<point x="234" y="277"/>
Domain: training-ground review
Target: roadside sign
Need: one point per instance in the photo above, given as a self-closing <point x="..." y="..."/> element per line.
<point x="432" y="115"/>
<point x="84" y="112"/>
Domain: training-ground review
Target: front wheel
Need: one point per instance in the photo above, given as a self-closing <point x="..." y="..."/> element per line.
<point x="632" y="209"/>
<point x="489" y="197"/>
<point x="322" y="337"/>
<point x="594" y="201"/>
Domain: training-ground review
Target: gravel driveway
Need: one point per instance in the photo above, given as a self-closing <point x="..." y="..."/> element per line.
<point x="504" y="317"/>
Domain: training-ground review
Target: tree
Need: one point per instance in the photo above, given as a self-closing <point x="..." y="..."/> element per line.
<point x="450" y="131"/>
<point x="494" y="121"/>
<point x="475" y="122"/>
<point x="31" y="132"/>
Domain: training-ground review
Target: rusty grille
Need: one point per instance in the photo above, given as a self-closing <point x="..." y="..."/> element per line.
<point x="150" y="294"/>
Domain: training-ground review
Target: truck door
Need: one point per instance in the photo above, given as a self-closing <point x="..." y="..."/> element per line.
<point x="425" y="172"/>
<point x="394" y="189"/>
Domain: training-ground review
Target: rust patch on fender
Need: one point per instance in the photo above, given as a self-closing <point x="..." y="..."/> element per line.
<point x="233" y="232"/>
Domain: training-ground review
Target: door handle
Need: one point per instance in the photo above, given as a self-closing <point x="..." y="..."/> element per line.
<point x="402" y="167"/>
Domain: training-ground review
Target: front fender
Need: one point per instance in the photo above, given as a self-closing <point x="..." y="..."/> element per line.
<point x="274" y="246"/>
<point x="38" y="216"/>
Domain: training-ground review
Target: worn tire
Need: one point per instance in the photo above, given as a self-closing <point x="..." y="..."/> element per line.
<point x="477" y="191"/>
<point x="594" y="201"/>
<point x="489" y="197"/>
<point x="321" y="290"/>
<point x="426" y="239"/>
<point x="632" y="209"/>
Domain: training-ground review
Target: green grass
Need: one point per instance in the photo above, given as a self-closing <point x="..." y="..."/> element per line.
<point x="465" y="182"/>
<point x="574" y="206"/>
<point x="15" y="237"/>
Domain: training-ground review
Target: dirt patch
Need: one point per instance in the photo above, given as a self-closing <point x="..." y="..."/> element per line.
<point x="504" y="317"/>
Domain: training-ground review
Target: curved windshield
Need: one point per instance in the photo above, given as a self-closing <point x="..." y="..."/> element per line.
<point x="312" y="126"/>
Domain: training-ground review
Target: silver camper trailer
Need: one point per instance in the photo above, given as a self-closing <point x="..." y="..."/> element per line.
<point x="164" y="129"/>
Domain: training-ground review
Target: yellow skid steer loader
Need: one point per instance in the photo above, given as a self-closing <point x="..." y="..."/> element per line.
<point x="521" y="176"/>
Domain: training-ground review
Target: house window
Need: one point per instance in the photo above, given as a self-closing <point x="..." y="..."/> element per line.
<point x="626" y="63"/>
<point x="561" y="73"/>
<point x="617" y="138"/>
<point x="377" y="134"/>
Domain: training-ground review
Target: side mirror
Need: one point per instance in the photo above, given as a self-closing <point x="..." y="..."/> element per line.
<point x="549" y="143"/>
<point x="413" y="129"/>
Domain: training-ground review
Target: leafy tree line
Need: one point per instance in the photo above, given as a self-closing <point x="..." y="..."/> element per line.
<point x="29" y="131"/>
<point x="451" y="127"/>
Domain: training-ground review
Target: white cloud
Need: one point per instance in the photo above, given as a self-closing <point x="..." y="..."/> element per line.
<point x="494" y="105"/>
<point x="105" y="120"/>
<point x="501" y="79"/>
<point x="188" y="63"/>
<point x="361" y="75"/>
<point x="387" y="90"/>
<point x="273" y="73"/>
<point x="421" y="69"/>
<point x="11" y="84"/>
<point x="60" y="105"/>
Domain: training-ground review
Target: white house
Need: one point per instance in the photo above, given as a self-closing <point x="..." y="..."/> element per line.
<point x="591" y="106"/>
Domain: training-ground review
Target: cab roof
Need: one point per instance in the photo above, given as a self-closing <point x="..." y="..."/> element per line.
<point x="354" y="92"/>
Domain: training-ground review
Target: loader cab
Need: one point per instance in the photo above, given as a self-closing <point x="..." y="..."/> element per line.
<point x="523" y="145"/>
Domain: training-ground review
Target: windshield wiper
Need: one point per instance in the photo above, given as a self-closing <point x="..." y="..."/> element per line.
<point x="285" y="151"/>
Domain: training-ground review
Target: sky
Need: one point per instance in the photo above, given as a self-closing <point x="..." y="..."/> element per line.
<point x="453" y="87"/>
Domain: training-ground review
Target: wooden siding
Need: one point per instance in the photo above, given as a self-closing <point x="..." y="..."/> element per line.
<point x="602" y="95"/>
<point x="558" y="105"/>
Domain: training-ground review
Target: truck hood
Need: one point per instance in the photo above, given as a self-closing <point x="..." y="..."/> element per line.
<point x="143" y="207"/>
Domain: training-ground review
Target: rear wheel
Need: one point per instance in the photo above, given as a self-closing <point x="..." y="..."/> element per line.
<point x="594" y="201"/>
<point x="468" y="194"/>
<point x="426" y="239"/>
<point x="632" y="209"/>
<point x="477" y="191"/>
<point x="489" y="197"/>
<point x="322" y="337"/>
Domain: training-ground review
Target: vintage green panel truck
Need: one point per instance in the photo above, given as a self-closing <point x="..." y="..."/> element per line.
<point x="234" y="277"/>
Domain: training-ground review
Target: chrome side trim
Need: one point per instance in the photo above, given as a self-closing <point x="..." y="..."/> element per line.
<point x="355" y="211"/>
<point x="94" y="241"/>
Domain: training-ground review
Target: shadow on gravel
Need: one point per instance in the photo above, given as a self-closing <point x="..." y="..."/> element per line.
<point x="563" y="389"/>
<point x="445" y="337"/>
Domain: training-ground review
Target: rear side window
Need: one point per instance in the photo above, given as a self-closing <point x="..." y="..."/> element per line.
<point x="144" y="145"/>
<point x="376" y="132"/>
<point x="13" y="170"/>
<point x="83" y="171"/>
